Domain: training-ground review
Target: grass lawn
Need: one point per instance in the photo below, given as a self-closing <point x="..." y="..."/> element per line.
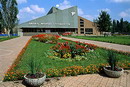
<point x="37" y="49"/>
<point x="125" y="40"/>
<point x="3" y="38"/>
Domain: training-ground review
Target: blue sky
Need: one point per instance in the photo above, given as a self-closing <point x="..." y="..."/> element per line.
<point x="89" y="9"/>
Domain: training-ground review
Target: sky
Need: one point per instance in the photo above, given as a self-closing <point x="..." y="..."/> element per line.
<point x="89" y="9"/>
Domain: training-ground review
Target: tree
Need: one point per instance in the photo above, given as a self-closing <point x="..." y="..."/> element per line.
<point x="114" y="26"/>
<point x="118" y="26"/>
<point x="121" y="25"/>
<point x="9" y="11"/>
<point x="1" y="23"/>
<point x="104" y="21"/>
<point x="126" y="26"/>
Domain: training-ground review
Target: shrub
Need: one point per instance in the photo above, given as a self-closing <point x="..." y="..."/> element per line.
<point x="112" y="60"/>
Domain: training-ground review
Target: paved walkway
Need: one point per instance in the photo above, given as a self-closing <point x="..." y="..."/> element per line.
<point x="118" y="47"/>
<point x="89" y="80"/>
<point x="9" y="51"/>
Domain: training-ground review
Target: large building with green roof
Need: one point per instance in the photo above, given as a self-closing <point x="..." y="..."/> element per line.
<point x="59" y="21"/>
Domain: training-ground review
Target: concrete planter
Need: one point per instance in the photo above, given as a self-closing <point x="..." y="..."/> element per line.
<point x="34" y="82"/>
<point x="111" y="73"/>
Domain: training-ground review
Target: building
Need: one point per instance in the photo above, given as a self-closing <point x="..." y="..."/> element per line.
<point x="59" y="21"/>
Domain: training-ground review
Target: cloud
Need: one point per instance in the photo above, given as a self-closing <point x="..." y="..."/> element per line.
<point x="119" y="1"/>
<point x="26" y="9"/>
<point x="125" y="14"/>
<point x="30" y="12"/>
<point x="21" y="1"/>
<point x="80" y="11"/>
<point x="32" y="9"/>
<point x="65" y="4"/>
<point x="36" y="8"/>
<point x="105" y="9"/>
<point x="89" y="17"/>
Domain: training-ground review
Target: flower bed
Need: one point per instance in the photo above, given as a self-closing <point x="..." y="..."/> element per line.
<point x="72" y="50"/>
<point x="46" y="38"/>
<point x="67" y="34"/>
<point x="56" y="68"/>
<point x="67" y="71"/>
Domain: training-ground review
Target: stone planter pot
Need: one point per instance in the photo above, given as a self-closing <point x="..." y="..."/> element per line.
<point x="111" y="73"/>
<point x="34" y="82"/>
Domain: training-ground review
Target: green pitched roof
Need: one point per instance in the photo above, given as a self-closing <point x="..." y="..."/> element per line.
<point x="53" y="10"/>
<point x="67" y="18"/>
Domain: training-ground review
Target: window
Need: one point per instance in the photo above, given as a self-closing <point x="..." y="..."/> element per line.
<point x="81" y="23"/>
<point x="82" y="30"/>
<point x="81" y="20"/>
<point x="89" y="31"/>
<point x="47" y="31"/>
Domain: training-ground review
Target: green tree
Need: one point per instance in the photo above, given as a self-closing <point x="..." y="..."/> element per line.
<point x="1" y="23"/>
<point x="126" y="26"/>
<point x="118" y="26"/>
<point x="104" y="21"/>
<point x="121" y="25"/>
<point x="9" y="11"/>
<point x="114" y="26"/>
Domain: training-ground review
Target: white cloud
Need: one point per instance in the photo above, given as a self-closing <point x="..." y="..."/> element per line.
<point x="65" y="4"/>
<point x="32" y="9"/>
<point x="119" y="1"/>
<point x="128" y="10"/>
<point x="36" y="8"/>
<point x="26" y="9"/>
<point x="125" y="13"/>
<point x="30" y="12"/>
<point x="80" y="11"/>
<point x="89" y="17"/>
<point x="105" y="9"/>
<point x="21" y="1"/>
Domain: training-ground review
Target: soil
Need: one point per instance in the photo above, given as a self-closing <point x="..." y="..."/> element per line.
<point x="116" y="68"/>
<point x="35" y="76"/>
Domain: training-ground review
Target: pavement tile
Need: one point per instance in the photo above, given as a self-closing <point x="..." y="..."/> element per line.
<point x="9" y="51"/>
<point x="100" y="81"/>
